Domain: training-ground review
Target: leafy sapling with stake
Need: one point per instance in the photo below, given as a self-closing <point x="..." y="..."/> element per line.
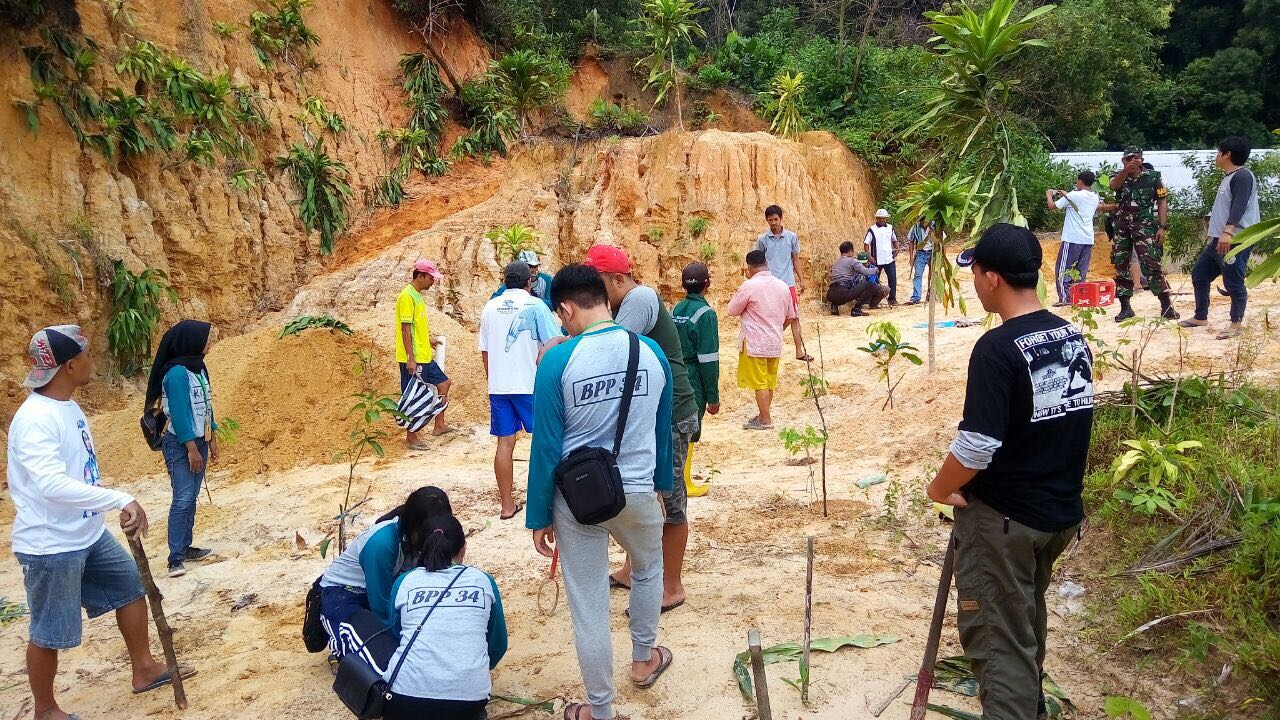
<point x="887" y="345"/>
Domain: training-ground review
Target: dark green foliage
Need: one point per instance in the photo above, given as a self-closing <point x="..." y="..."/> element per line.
<point x="560" y="27"/>
<point x="282" y="34"/>
<point x="135" y="310"/>
<point x="313" y="322"/>
<point x="322" y="188"/>
<point x="608" y="118"/>
<point x="1222" y="95"/>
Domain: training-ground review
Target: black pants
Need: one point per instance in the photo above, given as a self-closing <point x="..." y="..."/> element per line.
<point x="864" y="293"/>
<point x="891" y="279"/>
<point x="406" y="707"/>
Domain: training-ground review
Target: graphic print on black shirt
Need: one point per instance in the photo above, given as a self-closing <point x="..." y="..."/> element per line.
<point x="1061" y="377"/>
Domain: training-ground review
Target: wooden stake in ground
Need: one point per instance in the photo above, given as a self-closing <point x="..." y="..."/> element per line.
<point x="162" y="623"/>
<point x="924" y="679"/>
<point x="763" y="712"/>
<point x="808" y="628"/>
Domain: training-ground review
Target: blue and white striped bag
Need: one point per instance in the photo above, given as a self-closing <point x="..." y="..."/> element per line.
<point x="419" y="404"/>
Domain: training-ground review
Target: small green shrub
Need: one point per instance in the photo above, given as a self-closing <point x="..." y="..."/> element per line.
<point x="282" y="34"/>
<point x="313" y="322"/>
<point x="228" y="431"/>
<point x="609" y="117"/>
<point x="707" y="252"/>
<point x="55" y="276"/>
<point x="710" y="77"/>
<point x="886" y="346"/>
<point x="314" y="110"/>
<point x="225" y="29"/>
<point x="135" y="310"/>
<point x="510" y="241"/>
<point x="698" y="226"/>
<point x="1149" y="465"/>
<point x="527" y="80"/>
<point x="788" y="93"/>
<point x="322" y="186"/>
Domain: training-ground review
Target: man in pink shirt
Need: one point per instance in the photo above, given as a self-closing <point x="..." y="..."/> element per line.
<point x="765" y="307"/>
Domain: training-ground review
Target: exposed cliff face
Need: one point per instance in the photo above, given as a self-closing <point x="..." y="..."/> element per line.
<point x="637" y="193"/>
<point x="230" y="254"/>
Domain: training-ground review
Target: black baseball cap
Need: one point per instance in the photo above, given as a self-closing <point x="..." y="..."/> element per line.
<point x="516" y="274"/>
<point x="695" y="276"/>
<point x="1007" y="249"/>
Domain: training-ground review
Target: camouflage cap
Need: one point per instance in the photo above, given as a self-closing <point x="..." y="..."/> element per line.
<point x="1132" y="150"/>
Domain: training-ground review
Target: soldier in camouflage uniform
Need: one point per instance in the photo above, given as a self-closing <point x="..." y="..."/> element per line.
<point x="1141" y="218"/>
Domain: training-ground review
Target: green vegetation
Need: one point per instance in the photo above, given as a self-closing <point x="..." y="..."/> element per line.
<point x="666" y="26"/>
<point x="135" y="311"/>
<point x="1148" y="465"/>
<point x="314" y="111"/>
<point x="886" y="347"/>
<point x="54" y="274"/>
<point x="698" y="226"/>
<point x="510" y="241"/>
<point x="526" y="81"/>
<point x="228" y="431"/>
<point x="1213" y="568"/>
<point x="282" y="34"/>
<point x="313" y="322"/>
<point x="787" y="120"/>
<point x="225" y="29"/>
<point x="322" y="188"/>
<point x="11" y="612"/>
<point x="371" y="410"/>
<point x="606" y="117"/>
<point x="706" y="252"/>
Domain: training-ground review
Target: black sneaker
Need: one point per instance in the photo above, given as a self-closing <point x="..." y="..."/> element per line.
<point x="177" y="570"/>
<point x="857" y="313"/>
<point x="194" y="553"/>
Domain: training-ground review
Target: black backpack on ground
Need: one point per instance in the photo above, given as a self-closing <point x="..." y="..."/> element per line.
<point x="588" y="477"/>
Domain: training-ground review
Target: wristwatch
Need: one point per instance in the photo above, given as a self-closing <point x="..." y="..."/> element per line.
<point x="1164" y="226"/>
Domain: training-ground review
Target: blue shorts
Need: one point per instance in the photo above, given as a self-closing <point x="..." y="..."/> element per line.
<point x="430" y="374"/>
<point x="99" y="578"/>
<point x="508" y="414"/>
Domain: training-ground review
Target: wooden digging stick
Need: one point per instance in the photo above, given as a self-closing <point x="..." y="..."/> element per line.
<point x="924" y="679"/>
<point x="808" y="626"/>
<point x="162" y="623"/>
<point x="763" y="711"/>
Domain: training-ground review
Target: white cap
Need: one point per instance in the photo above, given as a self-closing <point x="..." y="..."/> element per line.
<point x="882" y="213"/>
<point x="528" y="257"/>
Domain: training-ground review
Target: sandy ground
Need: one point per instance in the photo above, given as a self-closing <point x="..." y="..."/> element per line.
<point x="238" y="616"/>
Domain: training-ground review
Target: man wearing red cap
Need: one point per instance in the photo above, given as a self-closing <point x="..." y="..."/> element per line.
<point x="415" y="344"/>
<point x="639" y="309"/>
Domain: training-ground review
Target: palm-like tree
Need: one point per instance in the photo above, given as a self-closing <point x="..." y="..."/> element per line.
<point x="787" y="91"/>
<point x="946" y="202"/>
<point x="527" y="80"/>
<point x="667" y="24"/>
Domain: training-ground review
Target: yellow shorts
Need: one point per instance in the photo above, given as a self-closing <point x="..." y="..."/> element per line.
<point x="757" y="373"/>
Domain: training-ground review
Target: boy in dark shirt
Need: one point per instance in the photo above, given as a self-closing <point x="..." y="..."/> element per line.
<point x="1015" y="471"/>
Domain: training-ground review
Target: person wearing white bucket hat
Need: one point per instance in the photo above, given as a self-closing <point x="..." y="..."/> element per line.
<point x="541" y="287"/>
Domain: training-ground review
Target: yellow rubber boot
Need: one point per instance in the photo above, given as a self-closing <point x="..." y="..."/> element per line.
<point x="690" y="488"/>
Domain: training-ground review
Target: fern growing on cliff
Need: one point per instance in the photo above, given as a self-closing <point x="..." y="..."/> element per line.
<point x="283" y="34"/>
<point x="322" y="188"/>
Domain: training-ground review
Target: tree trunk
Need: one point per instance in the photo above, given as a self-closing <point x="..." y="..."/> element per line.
<point x="933" y="300"/>
<point x="862" y="46"/>
<point x="440" y="62"/>
<point x="841" y="46"/>
<point x="675" y="83"/>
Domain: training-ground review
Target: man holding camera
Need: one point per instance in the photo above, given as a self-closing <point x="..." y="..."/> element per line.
<point x="1077" y="233"/>
<point x="1142" y="217"/>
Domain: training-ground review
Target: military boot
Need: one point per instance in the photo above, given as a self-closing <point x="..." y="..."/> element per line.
<point x="1166" y="307"/>
<point x="1126" y="310"/>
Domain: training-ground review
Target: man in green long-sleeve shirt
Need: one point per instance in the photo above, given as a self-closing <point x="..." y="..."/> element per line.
<point x="699" y="331"/>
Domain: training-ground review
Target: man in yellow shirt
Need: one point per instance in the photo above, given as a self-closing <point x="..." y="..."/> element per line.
<point x="414" y="343"/>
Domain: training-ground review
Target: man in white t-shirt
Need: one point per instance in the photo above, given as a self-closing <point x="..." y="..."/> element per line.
<point x="514" y="328"/>
<point x="1077" y="233"/>
<point x="882" y="245"/>
<point x="60" y="538"/>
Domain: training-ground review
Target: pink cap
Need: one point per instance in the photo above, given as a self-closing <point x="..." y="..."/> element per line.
<point x="607" y="258"/>
<point x="429" y="267"/>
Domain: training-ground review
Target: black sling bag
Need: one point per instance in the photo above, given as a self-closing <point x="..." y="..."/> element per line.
<point x="588" y="478"/>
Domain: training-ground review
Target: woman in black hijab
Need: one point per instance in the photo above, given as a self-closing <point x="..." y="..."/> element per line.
<point x="179" y="381"/>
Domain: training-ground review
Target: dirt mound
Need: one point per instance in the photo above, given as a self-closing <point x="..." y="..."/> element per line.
<point x="291" y="397"/>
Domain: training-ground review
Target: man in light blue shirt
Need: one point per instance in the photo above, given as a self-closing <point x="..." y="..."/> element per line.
<point x="781" y="250"/>
<point x="577" y="397"/>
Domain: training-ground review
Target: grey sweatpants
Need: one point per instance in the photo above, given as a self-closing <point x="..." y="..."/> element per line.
<point x="1071" y="256"/>
<point x="1002" y="573"/>
<point x="584" y="555"/>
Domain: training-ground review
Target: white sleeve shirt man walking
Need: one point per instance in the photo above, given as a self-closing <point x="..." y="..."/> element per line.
<point x="881" y="242"/>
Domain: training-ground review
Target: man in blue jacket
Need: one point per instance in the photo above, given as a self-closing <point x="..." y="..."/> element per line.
<point x="577" y="399"/>
<point x="541" y="285"/>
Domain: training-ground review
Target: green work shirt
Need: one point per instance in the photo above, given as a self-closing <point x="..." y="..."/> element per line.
<point x="699" y="331"/>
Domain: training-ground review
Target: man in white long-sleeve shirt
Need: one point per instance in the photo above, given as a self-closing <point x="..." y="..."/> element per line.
<point x="68" y="558"/>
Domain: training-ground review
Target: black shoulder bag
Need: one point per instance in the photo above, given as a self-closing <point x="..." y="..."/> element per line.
<point x="153" y="422"/>
<point x="360" y="687"/>
<point x="588" y="477"/>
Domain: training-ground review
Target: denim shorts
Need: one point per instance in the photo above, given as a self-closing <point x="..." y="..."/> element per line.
<point x="99" y="578"/>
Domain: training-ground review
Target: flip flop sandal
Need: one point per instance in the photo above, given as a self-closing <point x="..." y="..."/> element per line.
<point x="755" y="424"/>
<point x="807" y="358"/>
<point x="661" y="610"/>
<point x="664" y="661"/>
<point x="417" y="447"/>
<point x="519" y="507"/>
<point x="163" y="680"/>
<point x="571" y="710"/>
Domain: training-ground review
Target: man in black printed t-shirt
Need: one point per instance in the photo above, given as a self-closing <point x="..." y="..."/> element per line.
<point x="1015" y="471"/>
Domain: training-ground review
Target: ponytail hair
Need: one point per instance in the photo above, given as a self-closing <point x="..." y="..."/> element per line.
<point x="421" y="505"/>
<point x="443" y="541"/>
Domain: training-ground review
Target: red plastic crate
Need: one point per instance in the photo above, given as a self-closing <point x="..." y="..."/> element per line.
<point x="1093" y="294"/>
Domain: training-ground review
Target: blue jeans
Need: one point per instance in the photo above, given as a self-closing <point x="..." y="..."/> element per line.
<point x="1208" y="267"/>
<point x="186" y="488"/>
<point x="921" y="267"/>
<point x="99" y="578"/>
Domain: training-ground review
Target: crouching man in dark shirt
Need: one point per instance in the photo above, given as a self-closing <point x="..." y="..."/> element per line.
<point x="1015" y="472"/>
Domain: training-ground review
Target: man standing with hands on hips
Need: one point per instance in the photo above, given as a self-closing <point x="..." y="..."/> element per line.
<point x="1015" y="472"/>
<point x="1141" y="217"/>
